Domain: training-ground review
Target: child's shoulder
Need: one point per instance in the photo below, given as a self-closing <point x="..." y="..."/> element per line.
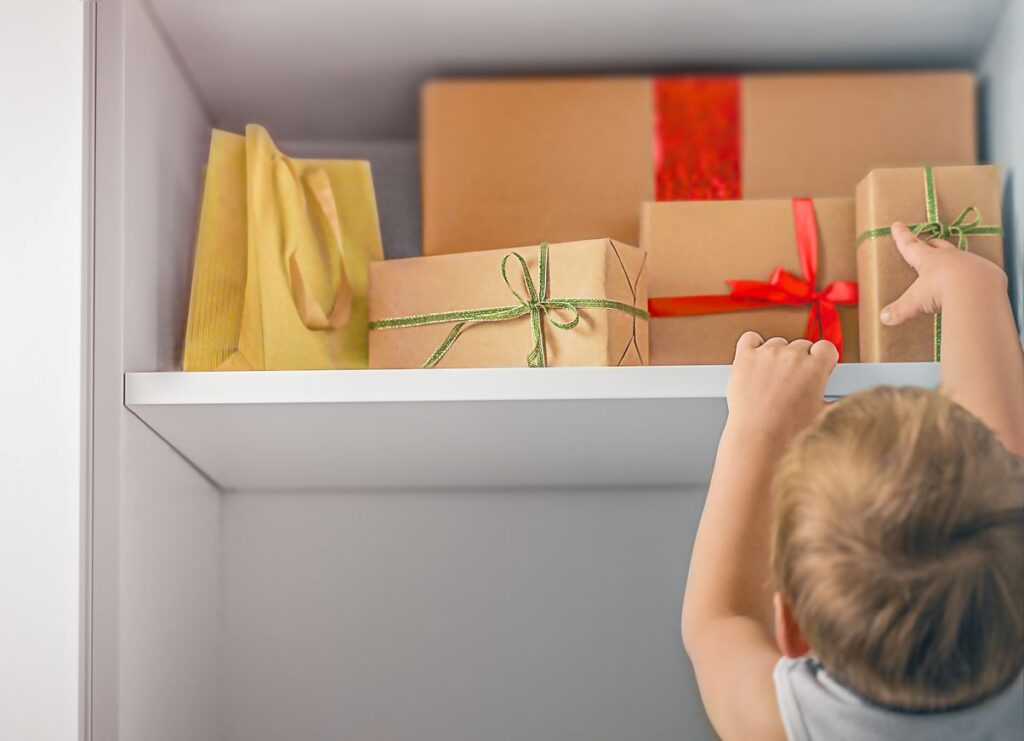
<point x="813" y="706"/>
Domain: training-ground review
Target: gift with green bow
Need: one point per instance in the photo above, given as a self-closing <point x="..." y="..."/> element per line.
<point x="569" y="304"/>
<point x="960" y="205"/>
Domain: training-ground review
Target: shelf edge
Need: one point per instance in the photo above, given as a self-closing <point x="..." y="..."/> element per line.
<point x="481" y="384"/>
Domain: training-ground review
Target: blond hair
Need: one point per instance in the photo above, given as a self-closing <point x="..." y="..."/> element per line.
<point x="898" y="544"/>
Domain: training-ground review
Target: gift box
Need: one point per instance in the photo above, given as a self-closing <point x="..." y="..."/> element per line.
<point x="570" y="304"/>
<point x="782" y="268"/>
<point x="281" y="272"/>
<point x="520" y="160"/>
<point x="958" y="204"/>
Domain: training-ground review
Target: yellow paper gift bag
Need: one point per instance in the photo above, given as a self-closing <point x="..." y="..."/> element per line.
<point x="282" y="260"/>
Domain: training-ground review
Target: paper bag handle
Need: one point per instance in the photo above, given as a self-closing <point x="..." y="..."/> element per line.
<point x="310" y="311"/>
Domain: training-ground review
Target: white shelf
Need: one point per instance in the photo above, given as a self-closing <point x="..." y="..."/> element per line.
<point x="480" y="428"/>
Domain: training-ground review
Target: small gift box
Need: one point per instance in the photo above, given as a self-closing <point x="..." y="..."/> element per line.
<point x="520" y="160"/>
<point x="958" y="204"/>
<point x="777" y="267"/>
<point x="570" y="304"/>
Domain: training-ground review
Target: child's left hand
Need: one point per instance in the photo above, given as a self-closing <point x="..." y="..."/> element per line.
<point x="777" y="388"/>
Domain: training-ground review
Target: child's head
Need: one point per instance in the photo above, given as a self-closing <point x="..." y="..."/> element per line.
<point x="899" y="550"/>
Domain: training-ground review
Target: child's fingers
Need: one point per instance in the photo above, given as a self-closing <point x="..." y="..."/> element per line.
<point x="941" y="244"/>
<point x="910" y="247"/>
<point x="779" y="342"/>
<point x="824" y="357"/>
<point x="905" y="308"/>
<point x="748" y="341"/>
<point x="825" y="353"/>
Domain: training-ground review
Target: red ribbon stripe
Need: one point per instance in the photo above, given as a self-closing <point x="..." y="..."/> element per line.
<point x="697" y="138"/>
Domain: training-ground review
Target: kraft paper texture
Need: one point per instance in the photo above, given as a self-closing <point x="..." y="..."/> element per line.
<point x="695" y="246"/>
<point x="599" y="268"/>
<point x="885" y="196"/>
<point x="520" y="160"/>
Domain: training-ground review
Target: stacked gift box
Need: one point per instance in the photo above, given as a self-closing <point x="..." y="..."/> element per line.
<point x="595" y="221"/>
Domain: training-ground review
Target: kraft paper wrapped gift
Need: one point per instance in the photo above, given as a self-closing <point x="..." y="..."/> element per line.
<point x="282" y="260"/>
<point x="570" y="304"/>
<point x="782" y="268"/>
<point x="519" y="160"/>
<point x="958" y="204"/>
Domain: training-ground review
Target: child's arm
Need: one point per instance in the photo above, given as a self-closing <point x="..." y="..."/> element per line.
<point x="982" y="360"/>
<point x="775" y="390"/>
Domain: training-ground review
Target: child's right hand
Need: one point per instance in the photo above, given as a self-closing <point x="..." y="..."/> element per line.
<point x="777" y="388"/>
<point x="982" y="361"/>
<point x="940" y="267"/>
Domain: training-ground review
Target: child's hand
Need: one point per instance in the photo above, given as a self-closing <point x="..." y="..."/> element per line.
<point x="982" y="362"/>
<point x="940" y="267"/>
<point x="777" y="388"/>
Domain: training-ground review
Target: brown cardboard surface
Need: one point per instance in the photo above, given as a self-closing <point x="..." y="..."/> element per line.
<point x="694" y="247"/>
<point x="885" y="196"/>
<point x="583" y="269"/>
<point x="818" y="134"/>
<point x="523" y="161"/>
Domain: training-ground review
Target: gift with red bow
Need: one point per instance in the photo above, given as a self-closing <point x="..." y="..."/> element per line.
<point x="782" y="268"/>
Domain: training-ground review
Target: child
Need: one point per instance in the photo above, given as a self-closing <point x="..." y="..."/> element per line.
<point x="893" y="522"/>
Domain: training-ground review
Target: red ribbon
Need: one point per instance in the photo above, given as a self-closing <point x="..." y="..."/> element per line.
<point x="782" y="289"/>
<point x="697" y="138"/>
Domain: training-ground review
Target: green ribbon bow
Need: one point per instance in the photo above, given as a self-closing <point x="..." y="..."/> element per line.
<point x="534" y="303"/>
<point x="966" y="224"/>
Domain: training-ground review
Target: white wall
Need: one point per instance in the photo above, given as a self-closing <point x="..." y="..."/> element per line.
<point x="40" y="315"/>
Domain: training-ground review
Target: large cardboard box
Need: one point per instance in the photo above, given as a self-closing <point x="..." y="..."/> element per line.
<point x="695" y="248"/>
<point x="524" y="160"/>
<point x="885" y="196"/>
<point x="458" y="311"/>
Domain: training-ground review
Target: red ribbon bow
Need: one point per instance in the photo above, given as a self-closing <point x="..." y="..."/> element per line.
<point x="782" y="289"/>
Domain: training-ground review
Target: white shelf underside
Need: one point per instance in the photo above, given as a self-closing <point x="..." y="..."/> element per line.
<point x="466" y="429"/>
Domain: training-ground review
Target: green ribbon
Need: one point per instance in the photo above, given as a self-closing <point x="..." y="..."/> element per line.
<point x="534" y="303"/>
<point x="966" y="224"/>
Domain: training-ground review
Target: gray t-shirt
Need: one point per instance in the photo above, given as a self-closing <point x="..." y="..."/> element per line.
<point x="815" y="707"/>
